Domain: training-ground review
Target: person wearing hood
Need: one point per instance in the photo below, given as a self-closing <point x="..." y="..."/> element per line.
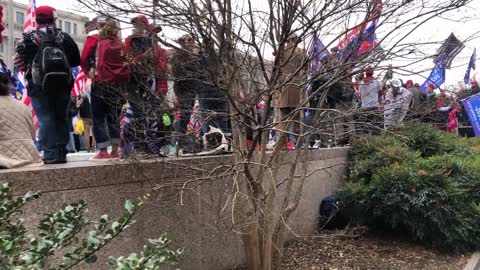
<point x="49" y="84"/>
<point x="397" y="101"/>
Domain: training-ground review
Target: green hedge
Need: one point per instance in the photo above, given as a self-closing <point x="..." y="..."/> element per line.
<point x="418" y="181"/>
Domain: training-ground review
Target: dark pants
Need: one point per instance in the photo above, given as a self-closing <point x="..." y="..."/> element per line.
<point x="53" y="127"/>
<point x="134" y="132"/>
<point x="186" y="93"/>
<point x="214" y="113"/>
<point x="369" y="121"/>
<point x="106" y="110"/>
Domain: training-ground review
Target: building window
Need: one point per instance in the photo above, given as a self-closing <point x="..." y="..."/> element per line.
<point x="20" y="18"/>
<point x="75" y="29"/>
<point x="68" y="27"/>
<point x="60" y="24"/>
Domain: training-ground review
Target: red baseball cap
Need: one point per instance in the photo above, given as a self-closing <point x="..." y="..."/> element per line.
<point x="474" y="83"/>
<point x="141" y="18"/>
<point x="45" y="13"/>
<point x="431" y="86"/>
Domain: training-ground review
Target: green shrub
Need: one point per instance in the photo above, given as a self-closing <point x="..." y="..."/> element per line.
<point x="429" y="141"/>
<point x="431" y="193"/>
<point x="63" y="233"/>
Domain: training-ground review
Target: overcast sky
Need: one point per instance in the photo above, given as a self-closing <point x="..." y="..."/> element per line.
<point x="436" y="30"/>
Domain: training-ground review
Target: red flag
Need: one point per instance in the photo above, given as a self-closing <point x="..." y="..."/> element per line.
<point x="374" y="14"/>
<point x="29" y="25"/>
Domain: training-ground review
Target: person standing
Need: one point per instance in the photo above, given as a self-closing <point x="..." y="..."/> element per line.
<point x="397" y="100"/>
<point x="290" y="96"/>
<point x="189" y="78"/>
<point x="72" y="111"/>
<point x="143" y="94"/>
<point x="370" y="91"/>
<point x="85" y="112"/>
<point x="50" y="80"/>
<point x="111" y="76"/>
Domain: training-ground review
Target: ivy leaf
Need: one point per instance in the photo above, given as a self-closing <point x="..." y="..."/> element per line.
<point x="91" y="259"/>
<point x="130" y="206"/>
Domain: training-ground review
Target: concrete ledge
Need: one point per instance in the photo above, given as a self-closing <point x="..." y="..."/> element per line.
<point x="88" y="174"/>
<point x="474" y="262"/>
<point x="203" y="223"/>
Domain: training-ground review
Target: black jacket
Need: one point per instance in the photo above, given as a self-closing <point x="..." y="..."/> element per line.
<point x="85" y="109"/>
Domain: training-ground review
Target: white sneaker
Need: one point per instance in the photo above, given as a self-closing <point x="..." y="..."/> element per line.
<point x="271" y="145"/>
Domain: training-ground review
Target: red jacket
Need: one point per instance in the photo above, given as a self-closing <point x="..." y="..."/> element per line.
<point x="162" y="66"/>
<point x="89" y="52"/>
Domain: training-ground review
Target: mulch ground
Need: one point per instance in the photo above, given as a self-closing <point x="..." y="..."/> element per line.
<point x="337" y="251"/>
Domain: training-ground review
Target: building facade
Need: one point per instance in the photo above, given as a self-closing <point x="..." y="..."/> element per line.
<point x="14" y="18"/>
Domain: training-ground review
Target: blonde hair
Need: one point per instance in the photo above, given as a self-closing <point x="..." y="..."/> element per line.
<point x="183" y="38"/>
<point x="110" y="29"/>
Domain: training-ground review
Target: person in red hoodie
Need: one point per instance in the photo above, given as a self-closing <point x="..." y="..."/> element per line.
<point x="109" y="73"/>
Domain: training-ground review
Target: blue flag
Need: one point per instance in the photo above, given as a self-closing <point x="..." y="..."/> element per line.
<point x="317" y="51"/>
<point x="437" y="76"/>
<point x="472" y="107"/>
<point x="471" y="65"/>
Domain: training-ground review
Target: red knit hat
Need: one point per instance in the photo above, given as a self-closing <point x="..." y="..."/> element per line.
<point x="368" y="70"/>
<point x="45" y="13"/>
<point x="409" y="83"/>
<point x="141" y="18"/>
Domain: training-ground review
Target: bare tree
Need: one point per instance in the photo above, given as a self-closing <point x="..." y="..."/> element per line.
<point x="246" y="51"/>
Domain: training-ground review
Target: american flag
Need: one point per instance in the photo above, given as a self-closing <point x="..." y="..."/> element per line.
<point x="29" y="25"/>
<point x="195" y="123"/>
<point x="376" y="9"/>
<point x="80" y="81"/>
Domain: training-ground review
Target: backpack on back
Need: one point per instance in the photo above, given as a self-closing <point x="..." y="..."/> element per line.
<point x="50" y="68"/>
<point x="110" y="65"/>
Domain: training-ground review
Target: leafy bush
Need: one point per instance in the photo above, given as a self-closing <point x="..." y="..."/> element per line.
<point x="429" y="141"/>
<point x="61" y="233"/>
<point x="430" y="192"/>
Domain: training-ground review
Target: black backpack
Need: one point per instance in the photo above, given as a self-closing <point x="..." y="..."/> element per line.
<point x="331" y="217"/>
<point x="50" y="67"/>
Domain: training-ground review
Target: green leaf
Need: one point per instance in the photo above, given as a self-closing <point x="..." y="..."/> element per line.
<point x="130" y="206"/>
<point x="91" y="259"/>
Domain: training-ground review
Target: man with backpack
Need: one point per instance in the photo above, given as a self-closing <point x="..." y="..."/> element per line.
<point x="111" y="75"/>
<point x="46" y="55"/>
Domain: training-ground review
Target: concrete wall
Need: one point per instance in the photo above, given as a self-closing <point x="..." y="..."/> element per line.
<point x="202" y="223"/>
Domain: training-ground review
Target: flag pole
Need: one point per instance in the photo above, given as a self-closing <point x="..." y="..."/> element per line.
<point x="11" y="38"/>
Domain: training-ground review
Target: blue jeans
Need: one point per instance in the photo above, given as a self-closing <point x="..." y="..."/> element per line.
<point x="53" y="127"/>
<point x="106" y="111"/>
<point x="71" y="143"/>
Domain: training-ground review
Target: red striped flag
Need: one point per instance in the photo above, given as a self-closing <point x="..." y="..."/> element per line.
<point x="377" y="7"/>
<point x="29" y="25"/>
<point x="80" y="81"/>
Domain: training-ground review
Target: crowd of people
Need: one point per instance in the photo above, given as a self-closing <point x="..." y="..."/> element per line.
<point x="124" y="106"/>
